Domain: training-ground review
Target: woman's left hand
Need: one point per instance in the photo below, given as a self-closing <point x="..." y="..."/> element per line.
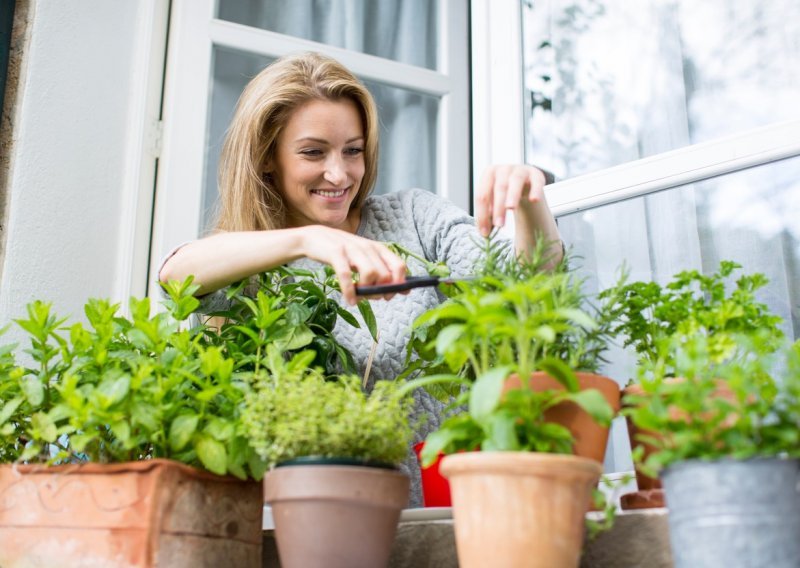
<point x="506" y="188"/>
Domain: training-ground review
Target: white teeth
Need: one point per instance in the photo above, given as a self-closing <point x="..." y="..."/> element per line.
<point x="329" y="193"/>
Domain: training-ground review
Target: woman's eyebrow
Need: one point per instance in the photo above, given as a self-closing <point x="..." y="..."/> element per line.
<point x="323" y="141"/>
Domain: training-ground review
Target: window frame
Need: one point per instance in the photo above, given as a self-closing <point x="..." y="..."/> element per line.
<point x="195" y="32"/>
<point x="499" y="123"/>
<point x="499" y="134"/>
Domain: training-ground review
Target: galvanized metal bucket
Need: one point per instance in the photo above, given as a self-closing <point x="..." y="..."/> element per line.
<point x="734" y="513"/>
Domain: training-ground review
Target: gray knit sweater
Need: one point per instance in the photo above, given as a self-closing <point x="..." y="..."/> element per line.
<point x="433" y="228"/>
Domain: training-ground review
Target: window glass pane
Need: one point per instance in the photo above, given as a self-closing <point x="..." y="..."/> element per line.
<point x="609" y="82"/>
<point x="749" y="217"/>
<point x="407" y="128"/>
<point x="402" y="30"/>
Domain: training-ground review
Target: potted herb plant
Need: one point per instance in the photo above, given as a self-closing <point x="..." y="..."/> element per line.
<point x="729" y="465"/>
<point x="290" y="308"/>
<point x="335" y="489"/>
<point x="645" y="313"/>
<point x="525" y="490"/>
<point x="123" y="445"/>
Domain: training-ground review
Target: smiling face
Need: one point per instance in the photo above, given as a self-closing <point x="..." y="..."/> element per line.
<point x="319" y="164"/>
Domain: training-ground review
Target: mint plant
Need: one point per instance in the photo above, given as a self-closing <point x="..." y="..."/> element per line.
<point x="124" y="388"/>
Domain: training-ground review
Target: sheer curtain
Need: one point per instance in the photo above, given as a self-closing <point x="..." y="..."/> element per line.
<point x="401" y="30"/>
<point x="608" y="83"/>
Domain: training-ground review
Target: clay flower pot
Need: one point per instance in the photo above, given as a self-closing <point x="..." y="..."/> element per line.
<point x="338" y="516"/>
<point x="138" y="514"/>
<point x="529" y="507"/>
<point x="650" y="494"/>
<point x="591" y="438"/>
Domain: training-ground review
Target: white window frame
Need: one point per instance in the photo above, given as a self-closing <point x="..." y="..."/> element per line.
<point x="499" y="122"/>
<point x="194" y="32"/>
<point x="498" y="127"/>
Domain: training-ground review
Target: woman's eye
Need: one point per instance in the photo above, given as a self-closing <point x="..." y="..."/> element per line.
<point x="311" y="152"/>
<point x="354" y="151"/>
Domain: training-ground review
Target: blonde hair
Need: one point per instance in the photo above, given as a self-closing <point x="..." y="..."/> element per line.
<point x="249" y="198"/>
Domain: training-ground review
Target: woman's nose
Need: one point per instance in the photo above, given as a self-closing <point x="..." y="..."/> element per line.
<point x="335" y="171"/>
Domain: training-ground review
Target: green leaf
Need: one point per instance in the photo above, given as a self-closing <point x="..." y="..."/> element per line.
<point x="561" y="372"/>
<point x="369" y="318"/>
<point x="219" y="429"/>
<point x="31" y="451"/>
<point x="114" y="388"/>
<point x="43" y="427"/>
<point x="578" y="317"/>
<point x="33" y="391"/>
<point x="9" y="408"/>
<point x="181" y="430"/>
<point x="424" y="382"/>
<point x="486" y="392"/>
<point x="257" y="465"/>
<point x="348" y="317"/>
<point x="594" y="403"/>
<point x="435" y="443"/>
<point x="78" y="442"/>
<point x="448" y="336"/>
<point x="290" y="338"/>
<point x="122" y="430"/>
<point x="502" y="433"/>
<point x="212" y="454"/>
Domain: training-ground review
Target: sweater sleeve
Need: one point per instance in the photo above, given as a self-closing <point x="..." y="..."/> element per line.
<point x="212" y="302"/>
<point x="447" y="233"/>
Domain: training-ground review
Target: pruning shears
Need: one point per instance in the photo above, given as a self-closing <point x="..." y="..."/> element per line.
<point x="410" y="282"/>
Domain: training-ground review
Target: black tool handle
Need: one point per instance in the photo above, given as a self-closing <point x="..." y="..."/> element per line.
<point x="411" y="282"/>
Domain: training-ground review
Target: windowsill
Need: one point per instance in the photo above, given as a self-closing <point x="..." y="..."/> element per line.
<point x="638" y="538"/>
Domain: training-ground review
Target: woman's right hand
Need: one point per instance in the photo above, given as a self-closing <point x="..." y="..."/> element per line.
<point x="223" y="258"/>
<point x="347" y="254"/>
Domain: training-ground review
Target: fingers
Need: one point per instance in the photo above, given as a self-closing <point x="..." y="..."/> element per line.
<point x="502" y="189"/>
<point x="537" y="182"/>
<point x="341" y="266"/>
<point x="347" y="253"/>
<point x="499" y="191"/>
<point x="374" y="263"/>
<point x="483" y="203"/>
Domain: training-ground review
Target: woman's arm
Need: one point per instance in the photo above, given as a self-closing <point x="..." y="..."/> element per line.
<point x="518" y="188"/>
<point x="224" y="258"/>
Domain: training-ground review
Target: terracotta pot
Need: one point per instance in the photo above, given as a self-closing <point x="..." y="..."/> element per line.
<point x="650" y="495"/>
<point x="137" y="514"/>
<point x="591" y="438"/>
<point x="519" y="509"/>
<point x="435" y="488"/>
<point x="335" y="516"/>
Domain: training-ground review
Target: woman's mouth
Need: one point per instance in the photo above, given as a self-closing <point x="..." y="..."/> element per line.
<point x="329" y="193"/>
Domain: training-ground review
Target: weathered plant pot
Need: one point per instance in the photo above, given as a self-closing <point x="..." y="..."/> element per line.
<point x="519" y="509"/>
<point x="732" y="513"/>
<point x="591" y="438"/>
<point x="138" y="514"/>
<point x="650" y="494"/>
<point x="338" y="516"/>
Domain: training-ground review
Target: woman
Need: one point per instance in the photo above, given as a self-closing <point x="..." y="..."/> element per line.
<point x="297" y="168"/>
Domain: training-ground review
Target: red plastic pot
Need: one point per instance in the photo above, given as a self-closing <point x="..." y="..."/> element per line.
<point x="435" y="488"/>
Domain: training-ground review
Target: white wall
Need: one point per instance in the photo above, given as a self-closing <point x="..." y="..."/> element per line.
<point x="80" y="155"/>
